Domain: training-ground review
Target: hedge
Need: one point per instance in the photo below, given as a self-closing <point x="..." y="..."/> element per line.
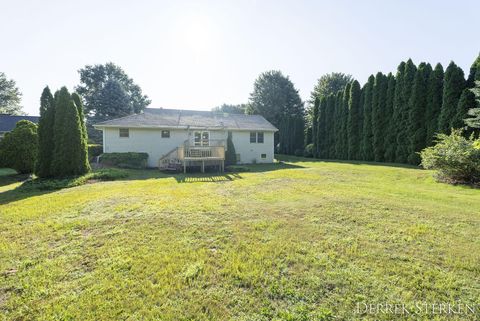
<point x="125" y="160"/>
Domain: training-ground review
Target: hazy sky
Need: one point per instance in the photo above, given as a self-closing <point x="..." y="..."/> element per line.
<point x="200" y="54"/>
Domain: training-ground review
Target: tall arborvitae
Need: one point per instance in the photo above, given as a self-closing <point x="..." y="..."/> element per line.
<point x="454" y="84"/>
<point x="417" y="120"/>
<point x="389" y="139"/>
<point x="367" y="143"/>
<point x="380" y="119"/>
<point x="344" y="123"/>
<point x="329" y="126"/>
<point x="315" y="126"/>
<point x="46" y="142"/>
<point x="434" y="103"/>
<point x="403" y="135"/>
<point x="353" y="123"/>
<point x="337" y="148"/>
<point x="467" y="101"/>
<point x="84" y="165"/>
<point x="68" y="136"/>
<point x="321" y="139"/>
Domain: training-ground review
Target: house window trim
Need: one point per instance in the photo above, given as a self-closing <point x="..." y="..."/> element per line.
<point x="166" y="131"/>
<point x="201" y="134"/>
<point x="255" y="136"/>
<point x="120" y="132"/>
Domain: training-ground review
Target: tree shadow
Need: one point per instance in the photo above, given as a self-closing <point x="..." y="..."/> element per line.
<point x="297" y="159"/>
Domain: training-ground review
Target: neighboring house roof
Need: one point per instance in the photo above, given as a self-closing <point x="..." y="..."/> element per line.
<point x="183" y="119"/>
<point x="8" y="122"/>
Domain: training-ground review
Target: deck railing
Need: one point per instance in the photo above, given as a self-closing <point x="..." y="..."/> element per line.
<point x="201" y="152"/>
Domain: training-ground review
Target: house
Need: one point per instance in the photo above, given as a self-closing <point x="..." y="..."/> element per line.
<point x="8" y="122"/>
<point x="176" y="138"/>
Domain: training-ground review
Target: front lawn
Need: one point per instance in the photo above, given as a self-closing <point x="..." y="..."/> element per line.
<point x="296" y="241"/>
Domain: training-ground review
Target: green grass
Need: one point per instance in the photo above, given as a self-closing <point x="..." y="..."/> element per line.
<point x="296" y="241"/>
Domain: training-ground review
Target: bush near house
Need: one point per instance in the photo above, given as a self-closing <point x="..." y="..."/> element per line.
<point x="94" y="150"/>
<point x="18" y="149"/>
<point x="125" y="160"/>
<point x="456" y="158"/>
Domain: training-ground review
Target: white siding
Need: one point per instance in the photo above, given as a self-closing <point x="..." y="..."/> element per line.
<point x="251" y="152"/>
<point x="150" y="141"/>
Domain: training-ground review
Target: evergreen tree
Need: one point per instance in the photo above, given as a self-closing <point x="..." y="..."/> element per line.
<point x="230" y="155"/>
<point x="454" y="84"/>
<point x="18" y="149"/>
<point x="380" y="119"/>
<point x="367" y="144"/>
<point x="322" y="147"/>
<point x="389" y="140"/>
<point x="434" y="103"/>
<point x="84" y="165"/>
<point x="46" y="141"/>
<point x="329" y="126"/>
<point x="354" y="121"/>
<point x="466" y="102"/>
<point x="342" y="152"/>
<point x="403" y="135"/>
<point x="68" y="136"/>
<point x="474" y="74"/>
<point x="417" y="120"/>
<point x="337" y="146"/>
<point x="474" y="120"/>
<point x="315" y="126"/>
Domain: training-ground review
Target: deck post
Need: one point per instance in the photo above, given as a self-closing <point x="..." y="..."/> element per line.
<point x="184" y="166"/>
<point x="203" y="166"/>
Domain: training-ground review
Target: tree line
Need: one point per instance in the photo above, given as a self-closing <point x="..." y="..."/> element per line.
<point x="391" y="118"/>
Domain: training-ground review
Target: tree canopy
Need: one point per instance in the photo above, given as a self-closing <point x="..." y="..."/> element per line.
<point x="275" y="97"/>
<point x="231" y="109"/>
<point x="10" y="96"/>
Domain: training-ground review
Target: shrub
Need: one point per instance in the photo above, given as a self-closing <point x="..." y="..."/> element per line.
<point x="125" y="160"/>
<point x="455" y="158"/>
<point x="94" y="150"/>
<point x="308" y="152"/>
<point x="230" y="155"/>
<point x="18" y="149"/>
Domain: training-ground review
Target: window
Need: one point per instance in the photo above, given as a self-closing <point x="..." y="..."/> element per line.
<point x="256" y="137"/>
<point x="165" y="134"/>
<point x="124" y="132"/>
<point x="238" y="158"/>
<point x="260" y="137"/>
<point x="263" y="156"/>
<point x="201" y="139"/>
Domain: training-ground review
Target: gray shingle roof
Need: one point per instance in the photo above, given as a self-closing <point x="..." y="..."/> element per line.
<point x="180" y="118"/>
<point x="8" y="122"/>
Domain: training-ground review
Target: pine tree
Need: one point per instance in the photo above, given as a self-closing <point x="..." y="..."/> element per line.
<point x="403" y="134"/>
<point x="389" y="140"/>
<point x="434" y="103"/>
<point x="454" y="84"/>
<point x="367" y="144"/>
<point x="46" y="142"/>
<point x="380" y="118"/>
<point x="230" y="155"/>
<point x="68" y="136"/>
<point x="354" y="121"/>
<point x="315" y="126"/>
<point x="84" y="165"/>
<point x="417" y="120"/>
<point x="321" y="128"/>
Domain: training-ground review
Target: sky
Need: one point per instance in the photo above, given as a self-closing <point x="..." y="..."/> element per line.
<point x="200" y="54"/>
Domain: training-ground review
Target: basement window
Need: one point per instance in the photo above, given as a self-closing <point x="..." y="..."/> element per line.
<point x="165" y="134"/>
<point x="263" y="156"/>
<point x="124" y="132"/>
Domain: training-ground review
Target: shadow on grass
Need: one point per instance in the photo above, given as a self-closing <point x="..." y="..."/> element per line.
<point x="296" y="159"/>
